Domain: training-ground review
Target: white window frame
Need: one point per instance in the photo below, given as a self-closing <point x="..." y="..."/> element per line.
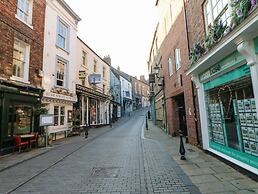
<point x="61" y="23"/>
<point x="59" y="115"/>
<point x="66" y="63"/>
<point x="95" y="68"/>
<point x="178" y="58"/>
<point x="21" y="12"/>
<point x="26" y="61"/>
<point x="84" y="58"/>
<point x="225" y="5"/>
<point x="170" y="66"/>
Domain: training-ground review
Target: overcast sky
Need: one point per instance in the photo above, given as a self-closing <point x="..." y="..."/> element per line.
<point x="122" y="29"/>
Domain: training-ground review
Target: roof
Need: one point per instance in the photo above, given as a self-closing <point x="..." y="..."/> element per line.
<point x="69" y="10"/>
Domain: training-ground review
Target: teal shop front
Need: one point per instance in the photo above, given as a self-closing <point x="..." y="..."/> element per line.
<point x="231" y="110"/>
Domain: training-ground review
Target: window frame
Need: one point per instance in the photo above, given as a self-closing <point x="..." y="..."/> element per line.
<point x="170" y="66"/>
<point x="219" y="14"/>
<point x="60" y="117"/>
<point x="20" y="12"/>
<point x="26" y="62"/>
<point x="84" y="58"/>
<point x="67" y="38"/>
<point x="178" y="58"/>
<point x="65" y="84"/>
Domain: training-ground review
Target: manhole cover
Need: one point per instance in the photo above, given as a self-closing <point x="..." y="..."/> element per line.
<point x="105" y="172"/>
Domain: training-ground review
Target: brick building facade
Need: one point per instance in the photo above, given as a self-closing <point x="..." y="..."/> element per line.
<point x="21" y="61"/>
<point x="173" y="49"/>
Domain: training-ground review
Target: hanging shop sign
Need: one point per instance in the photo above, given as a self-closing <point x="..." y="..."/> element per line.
<point x="82" y="74"/>
<point x="151" y="78"/>
<point x="94" y="78"/>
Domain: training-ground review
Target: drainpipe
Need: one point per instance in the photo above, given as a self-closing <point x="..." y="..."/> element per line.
<point x="188" y="49"/>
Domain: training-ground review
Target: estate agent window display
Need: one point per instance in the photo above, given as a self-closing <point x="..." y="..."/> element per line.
<point x="232" y="116"/>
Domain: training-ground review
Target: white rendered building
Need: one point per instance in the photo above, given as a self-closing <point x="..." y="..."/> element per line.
<point x="59" y="62"/>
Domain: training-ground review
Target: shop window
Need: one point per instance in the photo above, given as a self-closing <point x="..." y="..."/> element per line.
<point x="59" y="115"/>
<point x="232" y="116"/>
<point x="62" y="115"/>
<point x="56" y="115"/>
<point x="21" y="52"/>
<point x="20" y="119"/>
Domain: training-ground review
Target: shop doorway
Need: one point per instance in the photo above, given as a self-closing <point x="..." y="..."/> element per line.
<point x="181" y="114"/>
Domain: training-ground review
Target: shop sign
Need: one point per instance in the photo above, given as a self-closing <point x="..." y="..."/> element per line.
<point x="225" y="63"/>
<point x="240" y="156"/>
<point x="151" y="78"/>
<point x="61" y="97"/>
<point x="82" y="74"/>
<point x="94" y="78"/>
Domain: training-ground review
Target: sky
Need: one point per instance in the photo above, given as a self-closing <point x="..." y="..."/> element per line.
<point x="122" y="29"/>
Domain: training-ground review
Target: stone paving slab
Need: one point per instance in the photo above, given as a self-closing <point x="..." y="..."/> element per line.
<point x="210" y="175"/>
<point x="15" y="158"/>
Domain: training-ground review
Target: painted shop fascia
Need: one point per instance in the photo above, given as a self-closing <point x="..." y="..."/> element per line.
<point x="226" y="79"/>
<point x="16" y="97"/>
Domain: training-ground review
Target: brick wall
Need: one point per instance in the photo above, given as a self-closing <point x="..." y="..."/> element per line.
<point x="179" y="83"/>
<point x="11" y="27"/>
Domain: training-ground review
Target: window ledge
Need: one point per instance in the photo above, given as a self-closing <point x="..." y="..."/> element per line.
<point x="27" y="24"/>
<point x="18" y="79"/>
<point x="58" y="47"/>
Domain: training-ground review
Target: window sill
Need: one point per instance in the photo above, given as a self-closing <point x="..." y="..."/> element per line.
<point x="18" y="79"/>
<point x="58" y="47"/>
<point x="27" y="24"/>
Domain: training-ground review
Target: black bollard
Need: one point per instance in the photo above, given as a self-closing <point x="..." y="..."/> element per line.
<point x="182" y="148"/>
<point x="147" y="127"/>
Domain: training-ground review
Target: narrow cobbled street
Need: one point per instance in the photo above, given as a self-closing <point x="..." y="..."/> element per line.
<point x="118" y="161"/>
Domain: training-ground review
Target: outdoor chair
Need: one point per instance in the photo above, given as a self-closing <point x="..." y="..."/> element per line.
<point x="19" y="144"/>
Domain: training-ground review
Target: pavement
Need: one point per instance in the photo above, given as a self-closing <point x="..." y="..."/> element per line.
<point x="208" y="173"/>
<point x="12" y="159"/>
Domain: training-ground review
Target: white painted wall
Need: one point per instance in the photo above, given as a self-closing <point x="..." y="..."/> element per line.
<point x="51" y="51"/>
<point x="91" y="55"/>
<point x="54" y="10"/>
<point x="125" y="86"/>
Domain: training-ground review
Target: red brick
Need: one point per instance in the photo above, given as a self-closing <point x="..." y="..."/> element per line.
<point x="11" y="27"/>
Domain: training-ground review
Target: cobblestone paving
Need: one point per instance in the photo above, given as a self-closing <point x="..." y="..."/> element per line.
<point x="117" y="162"/>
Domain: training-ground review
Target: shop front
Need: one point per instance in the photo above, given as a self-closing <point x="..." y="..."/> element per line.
<point x="229" y="116"/>
<point x="93" y="106"/>
<point x="18" y="107"/>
